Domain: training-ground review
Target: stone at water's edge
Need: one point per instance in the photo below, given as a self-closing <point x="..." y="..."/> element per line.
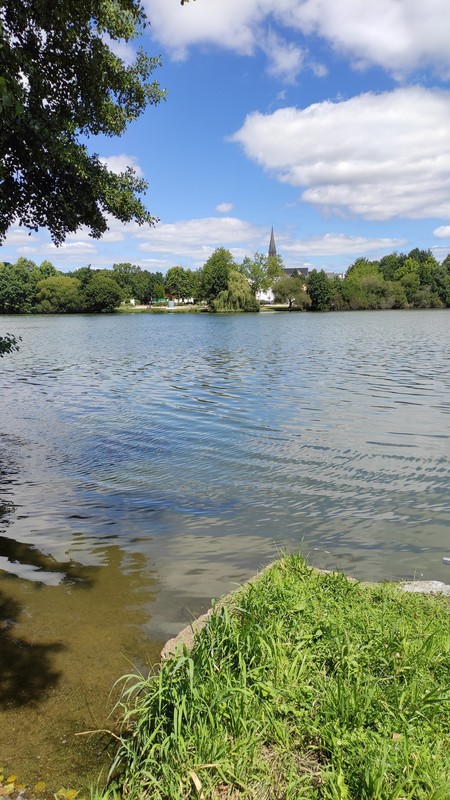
<point x="426" y="587"/>
<point x="185" y="637"/>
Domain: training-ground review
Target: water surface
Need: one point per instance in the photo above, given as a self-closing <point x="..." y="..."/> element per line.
<point x="149" y="463"/>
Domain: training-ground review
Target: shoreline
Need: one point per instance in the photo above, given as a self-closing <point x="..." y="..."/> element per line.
<point x="301" y="683"/>
<point x="186" y="636"/>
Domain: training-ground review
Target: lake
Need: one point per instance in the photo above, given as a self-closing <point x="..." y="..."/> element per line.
<point x="149" y="463"/>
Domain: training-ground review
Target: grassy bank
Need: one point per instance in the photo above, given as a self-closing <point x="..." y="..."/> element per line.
<point x="161" y="310"/>
<point x="308" y="686"/>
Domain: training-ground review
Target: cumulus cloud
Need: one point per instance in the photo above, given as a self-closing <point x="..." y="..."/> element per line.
<point x="376" y="156"/>
<point x="285" y="58"/>
<point x="333" y="244"/>
<point x="120" y="163"/>
<point x="197" y="238"/>
<point x="69" y="254"/>
<point x="224" y="208"/>
<point x="443" y="232"/>
<point x="228" y="24"/>
<point x="398" y="36"/>
<point x="68" y="247"/>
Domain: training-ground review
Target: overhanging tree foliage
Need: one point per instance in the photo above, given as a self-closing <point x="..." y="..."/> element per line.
<point x="59" y="81"/>
<point x="8" y="344"/>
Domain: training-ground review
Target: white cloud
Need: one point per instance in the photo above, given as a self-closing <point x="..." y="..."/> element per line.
<point x="121" y="49"/>
<point x="319" y="70"/>
<point x="228" y="24"/>
<point x="66" y="254"/>
<point x="197" y="238"/>
<point x="27" y="250"/>
<point x="285" y="58"/>
<point x="334" y="244"/>
<point x="224" y="208"/>
<point x="398" y="35"/>
<point x="68" y="247"/>
<point x="116" y="232"/>
<point x="443" y="232"/>
<point x="376" y="156"/>
<point x="121" y="162"/>
<point x="17" y="236"/>
<point x="191" y="242"/>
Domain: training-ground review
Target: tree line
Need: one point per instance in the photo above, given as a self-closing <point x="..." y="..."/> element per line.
<point x="221" y="284"/>
<point x="398" y="280"/>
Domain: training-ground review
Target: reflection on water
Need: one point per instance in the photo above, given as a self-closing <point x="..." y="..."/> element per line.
<point x="150" y="463"/>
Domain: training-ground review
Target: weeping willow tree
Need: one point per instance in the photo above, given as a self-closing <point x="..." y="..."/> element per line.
<point x="237" y="296"/>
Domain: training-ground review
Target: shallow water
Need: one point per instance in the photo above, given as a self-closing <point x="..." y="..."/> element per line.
<point x="150" y="463"/>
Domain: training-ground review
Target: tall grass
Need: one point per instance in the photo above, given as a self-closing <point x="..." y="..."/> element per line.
<point x="307" y="686"/>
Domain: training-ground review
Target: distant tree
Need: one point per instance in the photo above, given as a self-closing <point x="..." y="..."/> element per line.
<point x="58" y="294"/>
<point x="215" y="273"/>
<point x="410" y="283"/>
<point x="83" y="275"/>
<point x="60" y="81"/>
<point x="389" y="264"/>
<point x="17" y="287"/>
<point x="396" y="295"/>
<point x="290" y="290"/>
<point x="124" y="273"/>
<point x="178" y="283"/>
<point x="446" y="262"/>
<point x="275" y="268"/>
<point x="261" y="271"/>
<point x="362" y="266"/>
<point x="320" y="290"/>
<point x="407" y="267"/>
<point x="255" y="270"/>
<point x="156" y="288"/>
<point x="373" y="287"/>
<point x="140" y="289"/>
<point x="425" y="298"/>
<point x="350" y="296"/>
<point x="421" y="255"/>
<point x="102" y="294"/>
<point x="46" y="269"/>
<point x="428" y="272"/>
<point x="195" y="284"/>
<point x="238" y="295"/>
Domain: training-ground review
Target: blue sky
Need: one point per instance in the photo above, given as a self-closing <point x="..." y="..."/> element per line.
<point x="329" y="121"/>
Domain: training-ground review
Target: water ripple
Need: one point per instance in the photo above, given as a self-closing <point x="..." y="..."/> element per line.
<point x="321" y="431"/>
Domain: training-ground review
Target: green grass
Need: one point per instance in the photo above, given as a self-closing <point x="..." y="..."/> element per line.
<point x="162" y="309"/>
<point x="306" y="685"/>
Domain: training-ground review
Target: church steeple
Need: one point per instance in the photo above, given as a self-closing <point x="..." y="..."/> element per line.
<point x="272" y="246"/>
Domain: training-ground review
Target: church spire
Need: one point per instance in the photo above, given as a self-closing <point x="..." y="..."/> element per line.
<point x="272" y="247"/>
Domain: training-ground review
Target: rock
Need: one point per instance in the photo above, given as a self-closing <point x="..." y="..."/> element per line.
<point x="426" y="587"/>
<point x="185" y="637"/>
